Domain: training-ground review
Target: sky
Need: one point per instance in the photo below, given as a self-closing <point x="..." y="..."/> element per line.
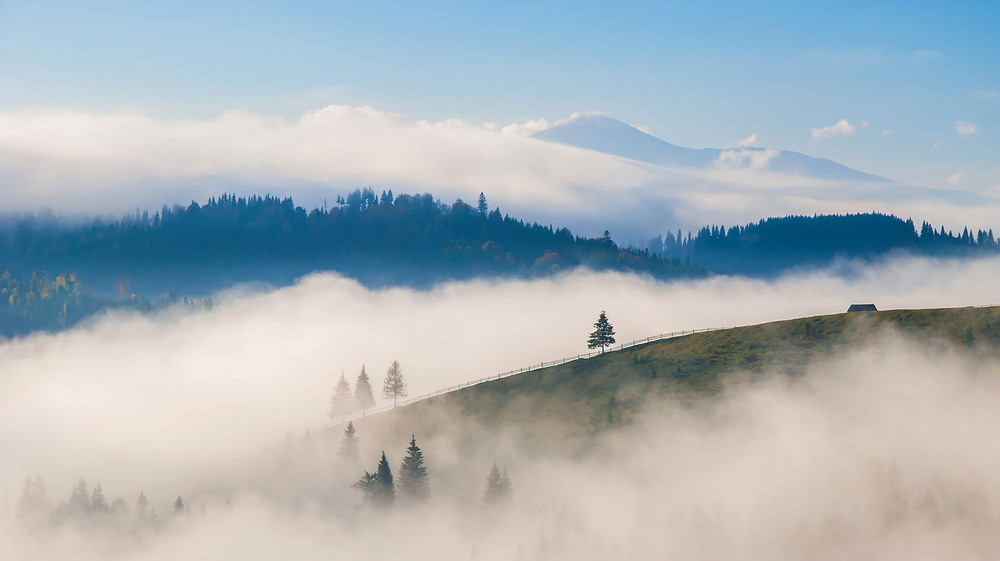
<point x="909" y="91"/>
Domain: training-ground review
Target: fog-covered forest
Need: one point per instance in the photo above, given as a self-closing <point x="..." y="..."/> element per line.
<point x="772" y="245"/>
<point x="55" y="273"/>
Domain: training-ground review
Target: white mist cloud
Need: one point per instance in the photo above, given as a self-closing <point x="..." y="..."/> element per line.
<point x="79" y="162"/>
<point x="144" y="401"/>
<point x="955" y="179"/>
<point x="753" y="159"/>
<point x="526" y="128"/>
<point x="964" y="128"/>
<point x="840" y="128"/>
<point x="877" y="452"/>
<point x="746" y="142"/>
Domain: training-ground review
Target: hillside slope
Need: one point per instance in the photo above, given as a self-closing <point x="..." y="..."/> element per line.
<point x="574" y="401"/>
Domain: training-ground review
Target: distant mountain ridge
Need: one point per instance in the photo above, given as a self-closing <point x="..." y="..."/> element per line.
<point x="611" y="136"/>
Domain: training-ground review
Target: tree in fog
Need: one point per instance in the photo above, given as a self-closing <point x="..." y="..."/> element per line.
<point x="414" y="484"/>
<point x="349" y="444"/>
<point x="497" y="488"/>
<point x="367" y="487"/>
<point x="143" y="514"/>
<point x="603" y="335"/>
<point x="341" y="402"/>
<point x="482" y="208"/>
<point x="98" y="503"/>
<point x="79" y="500"/>
<point x="33" y="505"/>
<point x="179" y="506"/>
<point x="385" y="490"/>
<point x="377" y="488"/>
<point x="363" y="397"/>
<point x="394" y="387"/>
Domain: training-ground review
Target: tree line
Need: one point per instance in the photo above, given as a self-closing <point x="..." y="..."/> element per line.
<point x="774" y="244"/>
<point x="344" y="402"/>
<point x="378" y="488"/>
<point x="384" y="239"/>
<point x="90" y="507"/>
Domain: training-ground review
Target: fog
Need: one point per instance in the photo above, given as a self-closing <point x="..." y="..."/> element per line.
<point x="76" y="162"/>
<point x="885" y="452"/>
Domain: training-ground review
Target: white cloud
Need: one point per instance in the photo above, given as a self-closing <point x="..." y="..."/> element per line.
<point x="886" y="132"/>
<point x="752" y="159"/>
<point x="935" y="145"/>
<point x="955" y="179"/>
<point x="89" y="163"/>
<point x="964" y="128"/>
<point x="526" y="128"/>
<point x="643" y="128"/>
<point x="840" y="128"/>
<point x="745" y="142"/>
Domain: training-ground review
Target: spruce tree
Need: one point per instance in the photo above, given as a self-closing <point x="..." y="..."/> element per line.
<point x="98" y="504"/>
<point x="363" y="397"/>
<point x="603" y="335"/>
<point x="79" y="499"/>
<point x="414" y="485"/>
<point x="341" y="402"/>
<point x="349" y="445"/>
<point x="497" y="488"/>
<point x="482" y="208"/>
<point x="367" y="487"/>
<point x="179" y="506"/>
<point x="394" y="386"/>
<point x="385" y="490"/>
<point x="142" y="510"/>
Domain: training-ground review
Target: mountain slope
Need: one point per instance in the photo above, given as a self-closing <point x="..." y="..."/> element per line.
<point x="567" y="404"/>
<point x="610" y="136"/>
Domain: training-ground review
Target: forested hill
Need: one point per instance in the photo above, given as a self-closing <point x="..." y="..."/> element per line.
<point x="773" y="245"/>
<point x="381" y="240"/>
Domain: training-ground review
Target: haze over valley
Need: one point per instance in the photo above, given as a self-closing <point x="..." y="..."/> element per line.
<point x="512" y="282"/>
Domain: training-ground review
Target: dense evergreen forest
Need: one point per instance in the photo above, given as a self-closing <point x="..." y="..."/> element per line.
<point x="381" y="240"/>
<point x="145" y="260"/>
<point x="773" y="245"/>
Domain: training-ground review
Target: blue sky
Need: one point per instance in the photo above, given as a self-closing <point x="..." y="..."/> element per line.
<point x="697" y="74"/>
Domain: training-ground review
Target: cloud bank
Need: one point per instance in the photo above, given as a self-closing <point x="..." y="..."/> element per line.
<point x="77" y="162"/>
<point x="878" y="452"/>
<point x="152" y="392"/>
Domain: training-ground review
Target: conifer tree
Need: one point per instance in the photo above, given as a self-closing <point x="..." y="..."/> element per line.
<point x="79" y="499"/>
<point x="482" y="208"/>
<point x="367" y="487"/>
<point x="179" y="506"/>
<point x="413" y="480"/>
<point x="385" y="490"/>
<point x="394" y="386"/>
<point x="497" y="488"/>
<point x="604" y="334"/>
<point x="341" y="402"/>
<point x="98" y="504"/>
<point x="33" y="505"/>
<point x="142" y="510"/>
<point x="363" y="396"/>
<point x="349" y="445"/>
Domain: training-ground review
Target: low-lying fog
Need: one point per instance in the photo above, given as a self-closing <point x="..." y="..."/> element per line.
<point x="886" y="453"/>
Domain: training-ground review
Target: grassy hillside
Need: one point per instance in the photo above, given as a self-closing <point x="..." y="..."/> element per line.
<point x="579" y="399"/>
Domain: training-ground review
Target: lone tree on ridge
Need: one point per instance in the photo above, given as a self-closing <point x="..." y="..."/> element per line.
<point x="604" y="334"/>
